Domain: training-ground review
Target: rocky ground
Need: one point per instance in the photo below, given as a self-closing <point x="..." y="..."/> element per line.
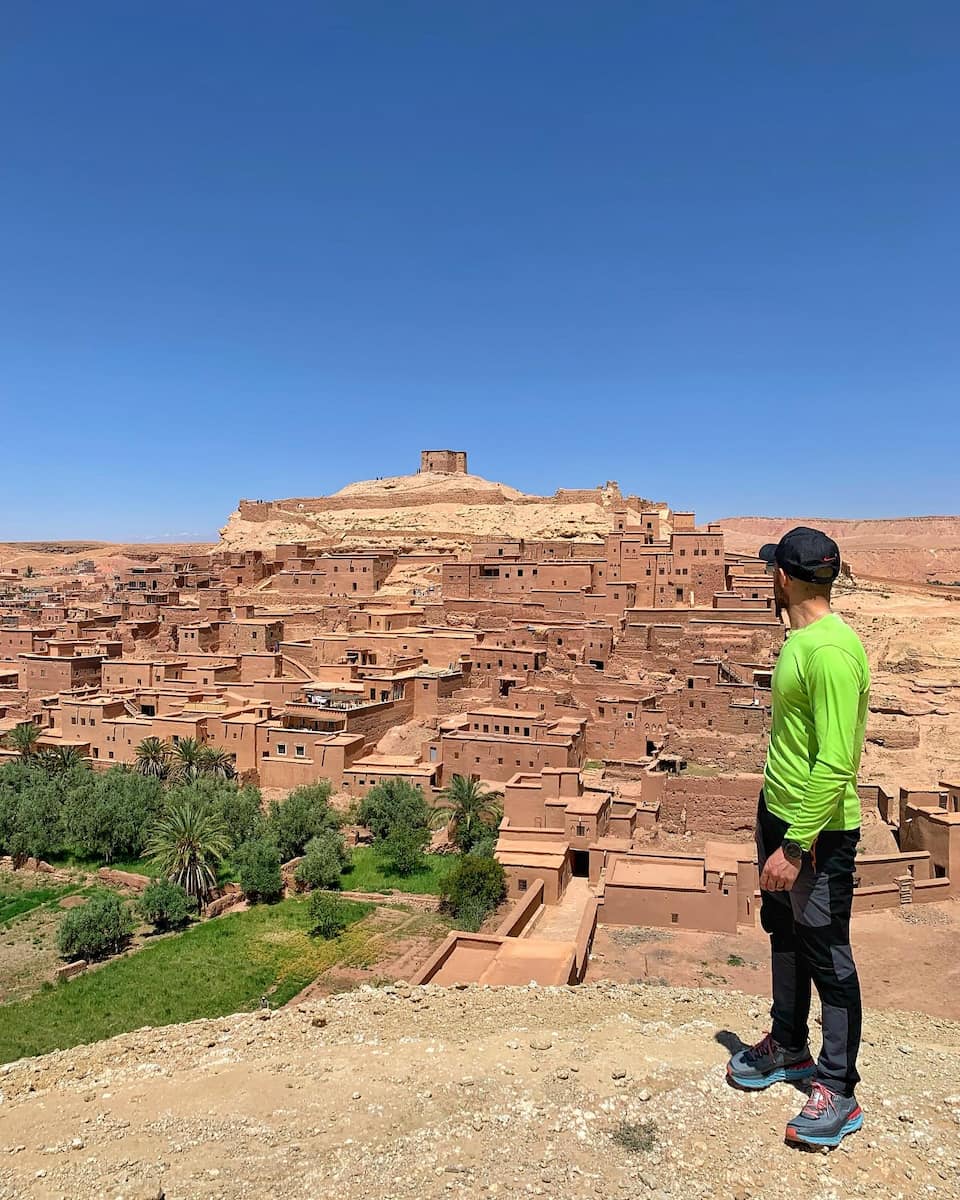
<point x="600" y="1091"/>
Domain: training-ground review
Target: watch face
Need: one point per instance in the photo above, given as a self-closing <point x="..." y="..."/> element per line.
<point x="793" y="850"/>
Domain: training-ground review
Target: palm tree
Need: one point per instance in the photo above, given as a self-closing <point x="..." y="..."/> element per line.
<point x="61" y="760"/>
<point x="468" y="809"/>
<point x="188" y="755"/>
<point x="218" y="763"/>
<point x="25" y="738"/>
<point x="152" y="758"/>
<point x="187" y="843"/>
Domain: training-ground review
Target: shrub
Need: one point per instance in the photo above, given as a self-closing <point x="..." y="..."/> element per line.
<point x="259" y="866"/>
<point x="473" y="888"/>
<point x="402" y="850"/>
<point x="165" y="905"/>
<point x="637" y="1137"/>
<point x="391" y="803"/>
<point x="305" y="813"/>
<point x="96" y="929"/>
<point x="472" y="914"/>
<point x="328" y="915"/>
<point x="324" y="859"/>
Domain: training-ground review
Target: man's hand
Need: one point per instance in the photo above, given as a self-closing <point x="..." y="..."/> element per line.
<point x="779" y="873"/>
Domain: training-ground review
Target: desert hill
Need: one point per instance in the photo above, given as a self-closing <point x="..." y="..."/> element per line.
<point x="917" y="549"/>
<point x="46" y="557"/>
<point x="425" y="509"/>
<point x="597" y="1091"/>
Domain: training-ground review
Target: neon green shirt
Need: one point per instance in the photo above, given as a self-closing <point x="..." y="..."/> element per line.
<point x="821" y="690"/>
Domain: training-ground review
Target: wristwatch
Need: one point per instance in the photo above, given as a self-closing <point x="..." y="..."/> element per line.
<point x="792" y="851"/>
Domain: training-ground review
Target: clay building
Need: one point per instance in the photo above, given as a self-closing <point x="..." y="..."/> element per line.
<point x="444" y="462"/>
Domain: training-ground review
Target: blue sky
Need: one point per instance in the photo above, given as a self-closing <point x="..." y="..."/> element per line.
<point x="709" y="250"/>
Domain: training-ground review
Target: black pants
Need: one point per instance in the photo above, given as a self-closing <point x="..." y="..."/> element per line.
<point x="809" y="929"/>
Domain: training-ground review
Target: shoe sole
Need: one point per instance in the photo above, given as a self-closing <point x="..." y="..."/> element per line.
<point x="780" y="1075"/>
<point x="811" y="1139"/>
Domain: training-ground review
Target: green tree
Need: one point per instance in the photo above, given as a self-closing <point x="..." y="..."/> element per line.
<point x="152" y="758"/>
<point x="106" y="816"/>
<point x="187" y="758"/>
<point x="166" y="905"/>
<point x="188" y="841"/>
<point x="62" y="760"/>
<point x="328" y="915"/>
<point x="469" y="810"/>
<point x="472" y="889"/>
<point x="259" y="866"/>
<point x="304" y="814"/>
<point x="395" y="801"/>
<point x="95" y="929"/>
<point x="402" y="849"/>
<point x="25" y="739"/>
<point x="241" y="810"/>
<point x="217" y="763"/>
<point x="31" y="812"/>
<point x="324" y="860"/>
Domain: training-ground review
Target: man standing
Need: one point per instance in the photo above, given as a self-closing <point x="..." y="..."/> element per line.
<point x="808" y="826"/>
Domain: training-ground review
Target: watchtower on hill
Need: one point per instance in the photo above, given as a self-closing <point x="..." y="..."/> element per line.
<point x="444" y="462"/>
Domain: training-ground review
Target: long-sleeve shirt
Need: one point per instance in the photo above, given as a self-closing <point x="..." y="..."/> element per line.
<point x="821" y="691"/>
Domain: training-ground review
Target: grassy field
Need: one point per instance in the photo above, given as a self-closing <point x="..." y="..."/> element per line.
<point x="367" y="873"/>
<point x="211" y="969"/>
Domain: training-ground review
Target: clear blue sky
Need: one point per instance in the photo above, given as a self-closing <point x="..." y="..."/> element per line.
<point x="710" y="250"/>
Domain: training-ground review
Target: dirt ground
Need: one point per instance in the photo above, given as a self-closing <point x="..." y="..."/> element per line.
<point x="418" y="1094"/>
<point x="906" y="962"/>
<point x="28" y="941"/>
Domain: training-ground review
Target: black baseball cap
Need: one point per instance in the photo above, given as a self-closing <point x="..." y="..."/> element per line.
<point x="806" y="554"/>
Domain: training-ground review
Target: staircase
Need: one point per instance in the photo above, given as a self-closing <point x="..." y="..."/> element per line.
<point x="905" y="884"/>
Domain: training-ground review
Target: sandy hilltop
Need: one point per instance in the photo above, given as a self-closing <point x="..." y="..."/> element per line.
<point x="429" y="508"/>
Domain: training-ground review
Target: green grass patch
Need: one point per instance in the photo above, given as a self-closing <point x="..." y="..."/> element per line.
<point x="213" y="968"/>
<point x="17" y="902"/>
<point x="369" y="873"/>
<point x="14" y="904"/>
